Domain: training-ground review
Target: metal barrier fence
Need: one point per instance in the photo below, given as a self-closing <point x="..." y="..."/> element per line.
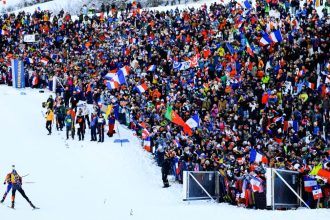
<point x="200" y="185"/>
<point x="283" y="188"/>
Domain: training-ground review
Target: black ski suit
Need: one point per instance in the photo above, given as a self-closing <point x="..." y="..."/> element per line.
<point x="166" y="167"/>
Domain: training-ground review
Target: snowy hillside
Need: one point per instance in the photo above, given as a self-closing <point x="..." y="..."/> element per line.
<point x="87" y="180"/>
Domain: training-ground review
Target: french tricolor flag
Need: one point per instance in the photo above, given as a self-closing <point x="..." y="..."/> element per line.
<point x="265" y="40"/>
<point x="3" y="32"/>
<point x="125" y="70"/>
<point x="44" y="60"/>
<point x="193" y="122"/>
<point x="256" y="157"/>
<point x="309" y="182"/>
<point x="151" y="68"/>
<point x="317" y="192"/>
<point x="110" y="75"/>
<point x="111" y="84"/>
<point x="145" y="134"/>
<point x="121" y="75"/>
<point x="255" y="184"/>
<point x="276" y="36"/>
<point x="301" y="73"/>
<point x="239" y="21"/>
<point x="147" y="144"/>
<point x="142" y="88"/>
<point x="310" y="85"/>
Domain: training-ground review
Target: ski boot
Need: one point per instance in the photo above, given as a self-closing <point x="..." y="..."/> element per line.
<point x="31" y="205"/>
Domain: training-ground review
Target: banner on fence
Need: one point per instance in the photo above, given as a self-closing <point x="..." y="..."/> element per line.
<point x="17" y="69"/>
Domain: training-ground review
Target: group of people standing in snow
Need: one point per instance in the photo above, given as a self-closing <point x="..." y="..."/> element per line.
<point x="76" y="119"/>
<point x="256" y="75"/>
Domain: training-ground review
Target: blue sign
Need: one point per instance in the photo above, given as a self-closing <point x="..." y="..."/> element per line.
<point x="17" y="69"/>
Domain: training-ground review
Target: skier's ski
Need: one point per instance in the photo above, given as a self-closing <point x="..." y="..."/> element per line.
<point x="35" y="208"/>
<point x="11" y="207"/>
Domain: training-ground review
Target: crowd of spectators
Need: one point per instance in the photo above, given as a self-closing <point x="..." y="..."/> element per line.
<point x="270" y="99"/>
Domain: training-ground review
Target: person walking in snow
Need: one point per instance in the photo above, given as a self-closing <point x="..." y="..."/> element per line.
<point x="9" y="186"/>
<point x="17" y="186"/>
<point x="49" y="120"/>
<point x="100" y="127"/>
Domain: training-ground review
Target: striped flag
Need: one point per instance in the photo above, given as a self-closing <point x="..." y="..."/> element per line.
<point x="301" y="73"/>
<point x="110" y="75"/>
<point x="193" y="122"/>
<point x="255" y="184"/>
<point x="3" y="32"/>
<point x="142" y="88"/>
<point x="125" y="70"/>
<point x="265" y="40"/>
<point x="145" y="134"/>
<point x="151" y="68"/>
<point x="317" y="192"/>
<point x="121" y="75"/>
<point x="276" y="36"/>
<point x="111" y="84"/>
<point x="256" y="157"/>
<point x="309" y="182"/>
<point x="44" y="60"/>
<point x="239" y="21"/>
<point x="147" y="144"/>
<point x="310" y="85"/>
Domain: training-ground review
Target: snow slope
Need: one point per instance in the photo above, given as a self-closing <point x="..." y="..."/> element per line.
<point x="94" y="181"/>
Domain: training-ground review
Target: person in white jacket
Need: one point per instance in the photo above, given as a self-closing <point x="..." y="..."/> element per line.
<point x="86" y="112"/>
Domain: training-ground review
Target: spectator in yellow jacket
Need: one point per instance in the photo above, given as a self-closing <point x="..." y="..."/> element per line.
<point x="49" y="120"/>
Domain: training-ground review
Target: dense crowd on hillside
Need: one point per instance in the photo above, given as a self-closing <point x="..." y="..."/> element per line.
<point x="257" y="78"/>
